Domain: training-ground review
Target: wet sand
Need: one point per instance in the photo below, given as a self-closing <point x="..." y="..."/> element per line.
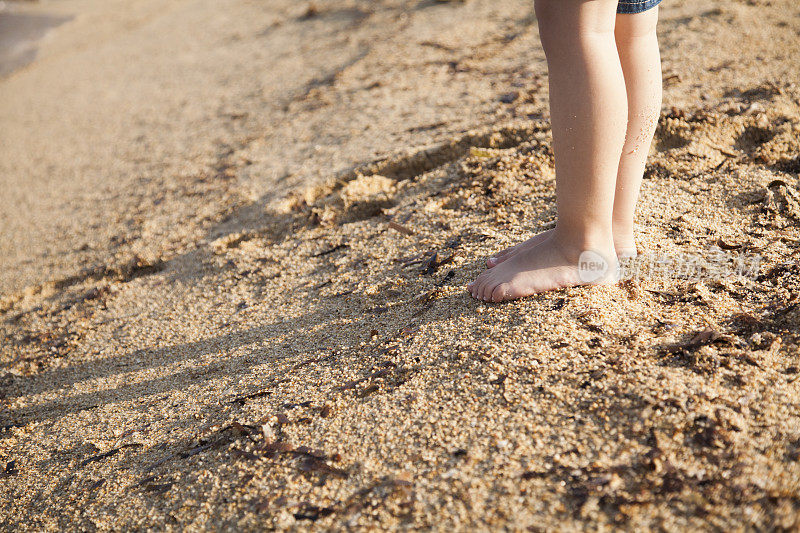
<point x="233" y="267"/>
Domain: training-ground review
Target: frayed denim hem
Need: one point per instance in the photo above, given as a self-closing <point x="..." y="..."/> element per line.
<point x="636" y="6"/>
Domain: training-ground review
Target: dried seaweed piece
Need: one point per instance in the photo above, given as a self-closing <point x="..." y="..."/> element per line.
<point x="244" y="454"/>
<point x="330" y="250"/>
<point x="241" y="429"/>
<point x="378" y="374"/>
<point x="313" y="512"/>
<point x="109" y="453"/>
<point x="728" y="246"/>
<point x="382" y="372"/>
<point x="220" y="441"/>
<point x="159" y="488"/>
<point x="369" y="389"/>
<point x="448" y="259"/>
<point x="400" y="228"/>
<point x="273" y="448"/>
<point x="349" y="385"/>
<point x="534" y="474"/>
<point x="700" y="339"/>
<point x="509" y="98"/>
<point x="10" y="469"/>
<point x="776" y="271"/>
<point x="294" y="405"/>
<point x="746" y="319"/>
<point x="259" y="393"/>
<point x="427" y="300"/>
<point x="322" y="285"/>
<point x="145" y="480"/>
<point x="94" y="294"/>
<point x="428" y="262"/>
<point x="429" y="266"/>
<point x="197" y="449"/>
<point x="447" y="277"/>
<point x="311" y="463"/>
<point x="667" y="297"/>
<point x="305" y="450"/>
<point x="413" y="260"/>
<point x="343" y="293"/>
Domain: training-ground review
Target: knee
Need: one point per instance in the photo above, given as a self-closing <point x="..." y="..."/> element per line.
<point x="565" y="23"/>
<point x="636" y="28"/>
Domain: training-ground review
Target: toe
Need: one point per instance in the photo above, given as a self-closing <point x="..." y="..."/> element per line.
<point x="473" y="288"/>
<point x="486" y="290"/>
<point x="477" y="288"/>
<point x="495" y="259"/>
<point x="505" y="255"/>
<point x="501" y="292"/>
<point x="499" y="257"/>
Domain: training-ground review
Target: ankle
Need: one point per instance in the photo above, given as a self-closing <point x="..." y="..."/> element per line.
<point x="573" y="242"/>
<point x="622" y="228"/>
<point x="624" y="241"/>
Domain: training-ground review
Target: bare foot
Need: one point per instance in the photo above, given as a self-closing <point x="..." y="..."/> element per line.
<point x="510" y="251"/>
<point x="544" y="267"/>
<point x="623" y="243"/>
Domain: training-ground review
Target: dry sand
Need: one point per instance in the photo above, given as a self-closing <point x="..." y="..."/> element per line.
<point x="208" y="321"/>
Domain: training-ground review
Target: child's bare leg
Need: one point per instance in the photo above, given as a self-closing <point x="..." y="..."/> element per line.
<point x="637" y="45"/>
<point x="641" y="64"/>
<point x="588" y="108"/>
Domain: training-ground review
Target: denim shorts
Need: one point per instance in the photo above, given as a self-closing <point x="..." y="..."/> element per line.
<point x="636" y="6"/>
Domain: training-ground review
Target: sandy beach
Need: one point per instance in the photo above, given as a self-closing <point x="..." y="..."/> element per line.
<point x="234" y="241"/>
